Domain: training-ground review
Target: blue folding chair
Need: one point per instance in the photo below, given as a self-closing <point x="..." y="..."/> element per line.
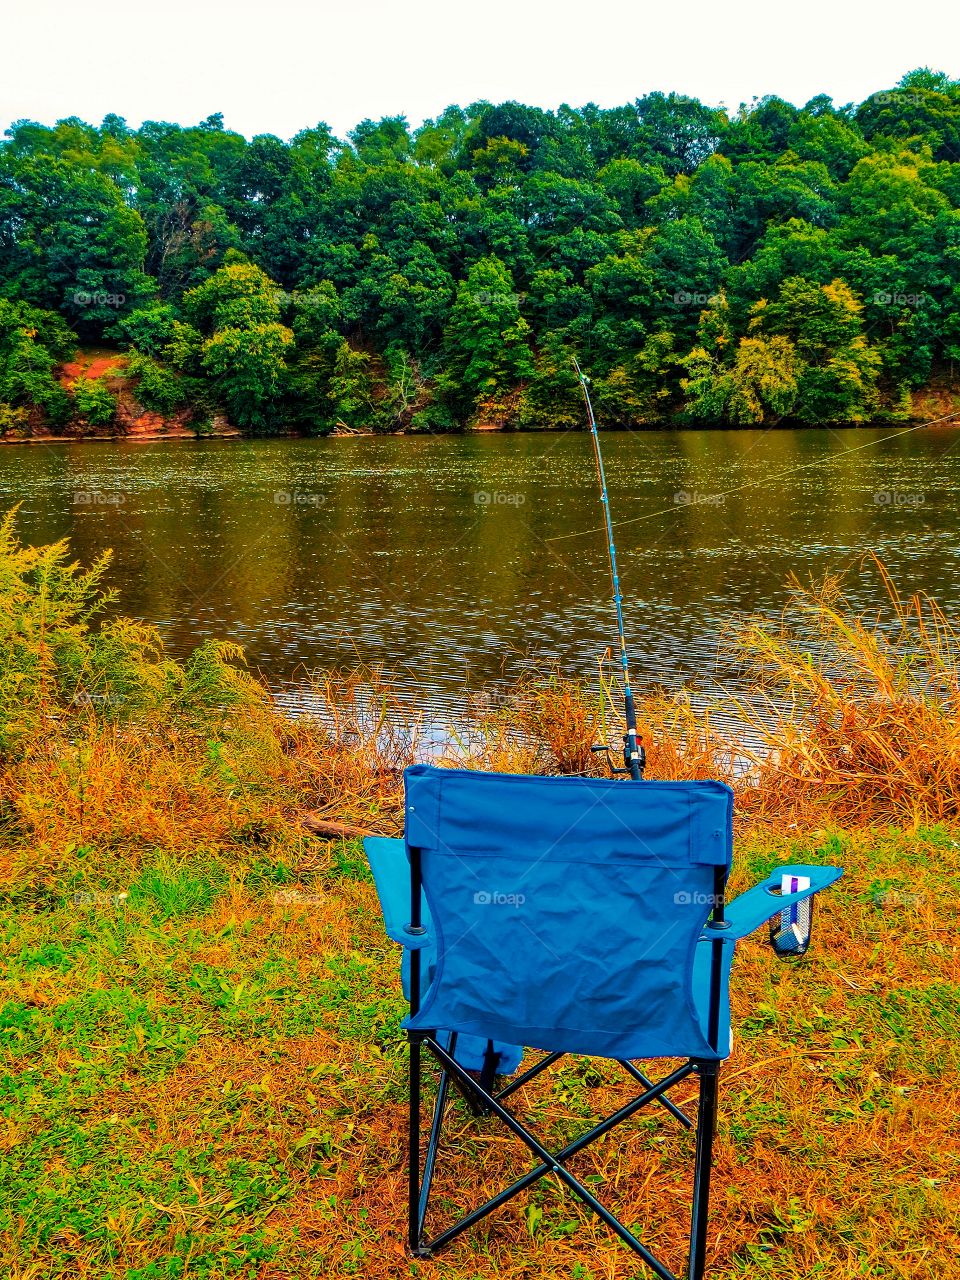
<point x="572" y="915"/>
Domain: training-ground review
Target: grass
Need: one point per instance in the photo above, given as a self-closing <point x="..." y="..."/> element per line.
<point x="861" y="712"/>
<point x="205" y="1078"/>
<point x="201" y="1061"/>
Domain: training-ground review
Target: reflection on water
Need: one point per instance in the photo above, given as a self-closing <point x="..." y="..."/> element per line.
<point x="449" y="557"/>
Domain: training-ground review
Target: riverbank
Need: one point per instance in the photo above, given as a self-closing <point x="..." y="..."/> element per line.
<point x="203" y="1064"/>
<point x="126" y="417"/>
<point x="131" y="420"/>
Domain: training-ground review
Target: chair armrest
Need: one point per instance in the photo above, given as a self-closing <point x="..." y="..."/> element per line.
<point x="759" y="904"/>
<point x="391" y="874"/>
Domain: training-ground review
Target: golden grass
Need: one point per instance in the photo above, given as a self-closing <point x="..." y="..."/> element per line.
<point x="858" y="714"/>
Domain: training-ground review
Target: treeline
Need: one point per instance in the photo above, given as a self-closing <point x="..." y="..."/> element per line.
<point x="785" y="264"/>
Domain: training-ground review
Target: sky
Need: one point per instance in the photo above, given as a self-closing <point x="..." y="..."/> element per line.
<point x="278" y="66"/>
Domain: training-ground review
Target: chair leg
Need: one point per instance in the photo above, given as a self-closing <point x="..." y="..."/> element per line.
<point x="706" y="1127"/>
<point x="420" y="1185"/>
<point x="433" y="1144"/>
<point x="413" y="1149"/>
<point x="553" y="1163"/>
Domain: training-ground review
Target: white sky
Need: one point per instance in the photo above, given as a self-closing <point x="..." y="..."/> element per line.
<point x="276" y="66"/>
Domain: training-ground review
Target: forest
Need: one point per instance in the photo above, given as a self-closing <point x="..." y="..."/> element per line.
<point x="776" y="265"/>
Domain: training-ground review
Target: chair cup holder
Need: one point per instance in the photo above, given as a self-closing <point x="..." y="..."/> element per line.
<point x="792" y="929"/>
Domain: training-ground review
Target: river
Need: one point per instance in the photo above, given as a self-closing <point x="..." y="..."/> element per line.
<point x="454" y="559"/>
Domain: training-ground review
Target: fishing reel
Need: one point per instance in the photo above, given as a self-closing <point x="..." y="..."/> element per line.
<point x="641" y="759"/>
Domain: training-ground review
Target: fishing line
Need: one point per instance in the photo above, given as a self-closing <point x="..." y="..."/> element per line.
<point x="753" y="484"/>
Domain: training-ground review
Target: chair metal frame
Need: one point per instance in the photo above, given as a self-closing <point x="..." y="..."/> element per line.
<point x="482" y="1099"/>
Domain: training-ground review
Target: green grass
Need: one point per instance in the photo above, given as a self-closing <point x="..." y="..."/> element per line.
<point x="204" y="1079"/>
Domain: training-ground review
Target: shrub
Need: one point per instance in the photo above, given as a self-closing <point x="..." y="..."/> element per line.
<point x="150" y="328"/>
<point x="32" y="342"/>
<point x="859" y="715"/>
<point x="158" y="388"/>
<point x="94" y="401"/>
<point x="13" y="421"/>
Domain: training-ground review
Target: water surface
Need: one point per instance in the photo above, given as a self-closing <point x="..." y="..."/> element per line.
<point x="453" y="558"/>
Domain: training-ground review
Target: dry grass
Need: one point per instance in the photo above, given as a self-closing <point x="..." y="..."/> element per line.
<point x="859" y="715"/>
<point x="351" y="751"/>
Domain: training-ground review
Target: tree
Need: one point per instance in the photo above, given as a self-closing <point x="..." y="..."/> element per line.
<point x="678" y="132"/>
<point x="249" y="367"/>
<point x="760" y="384"/>
<point x="149" y="328"/>
<point x="245" y="352"/>
<point x="630" y="185"/>
<point x="32" y="344"/>
<point x="486" y="341"/>
<point x="806" y="356"/>
<point x="305" y="281"/>
<point x="75" y="245"/>
<point x="352" y="393"/>
<point x="553" y="398"/>
<point x="923" y="111"/>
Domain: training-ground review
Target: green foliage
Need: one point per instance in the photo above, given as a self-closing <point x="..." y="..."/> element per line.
<point x="421" y="279"/>
<point x="246" y="347"/>
<point x="151" y="328"/>
<point x="486" y="341"/>
<point x="94" y="401"/>
<point x="352" y="389"/>
<point x="78" y="246"/>
<point x="60" y="654"/>
<point x="552" y="399"/>
<point x="836" y="369"/>
<point x="759" y="386"/>
<point x="32" y="344"/>
<point x="14" y="422"/>
<point x="805" y="356"/>
<point x="158" y="387"/>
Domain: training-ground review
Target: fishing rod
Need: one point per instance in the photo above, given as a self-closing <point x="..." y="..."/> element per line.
<point x="634" y="756"/>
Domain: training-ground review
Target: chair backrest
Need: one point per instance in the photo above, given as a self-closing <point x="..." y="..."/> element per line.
<point x="567" y="910"/>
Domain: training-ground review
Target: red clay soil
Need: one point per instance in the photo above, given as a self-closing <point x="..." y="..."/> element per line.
<point x="93" y="364"/>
